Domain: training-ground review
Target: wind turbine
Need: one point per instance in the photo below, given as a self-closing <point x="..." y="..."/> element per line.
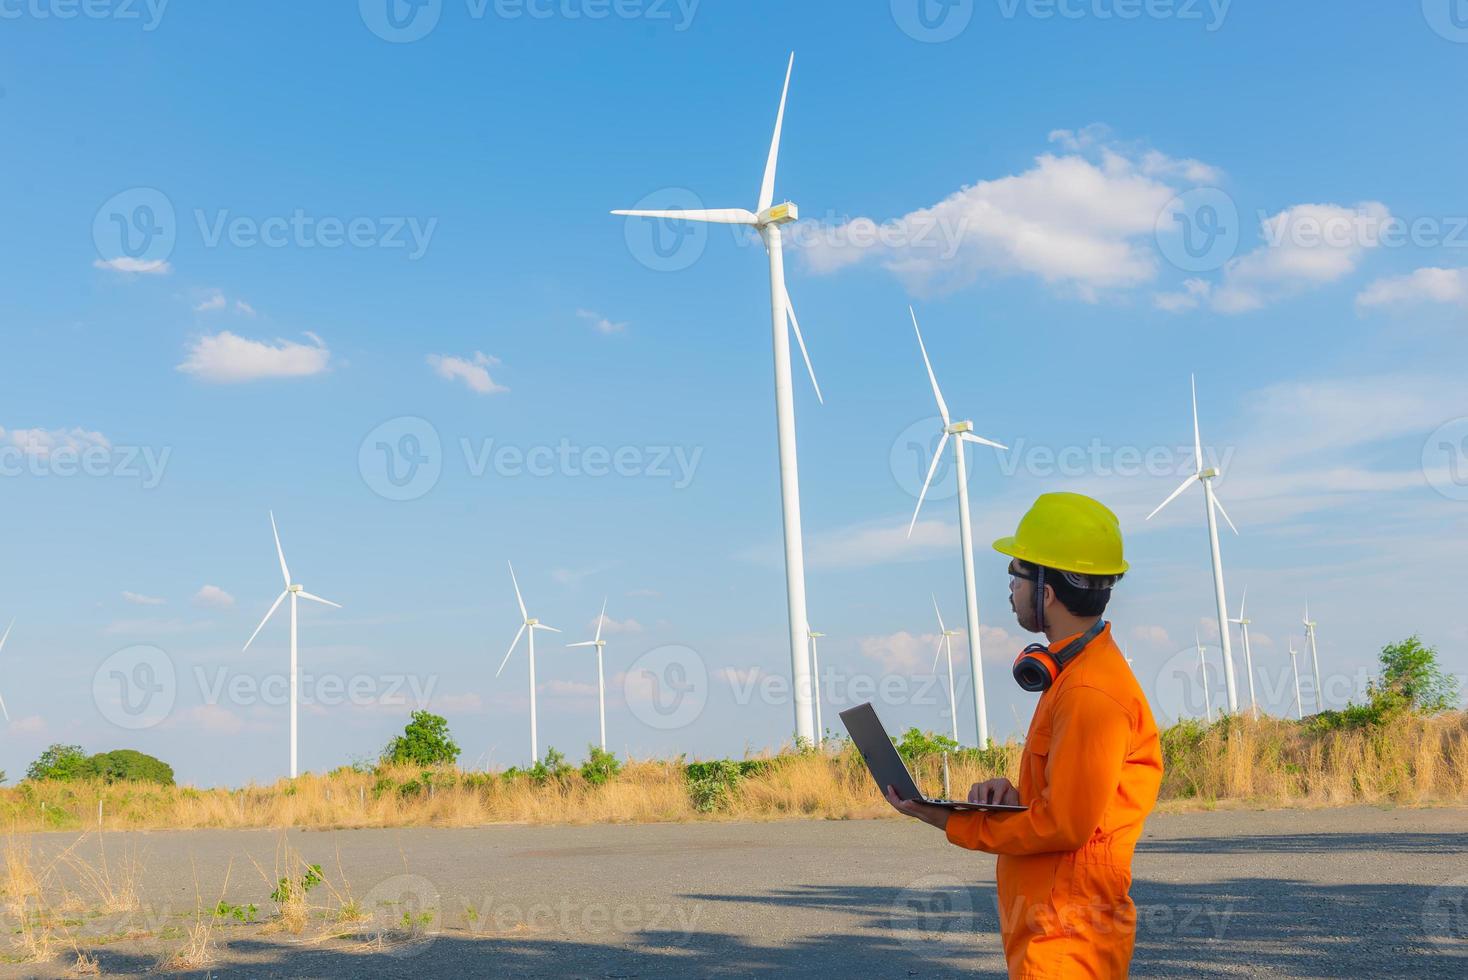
<point x="530" y="624"/>
<point x="4" y="710"/>
<point x="961" y="432"/>
<point x="1243" y="624"/>
<point x="1206" y="477"/>
<point x="1203" y="668"/>
<point x="1314" y="656"/>
<point x="815" y="666"/>
<point x="1299" y="711"/>
<point x="601" y="686"/>
<point x="768" y="218"/>
<point x="296" y="593"/>
<point x="945" y="642"/>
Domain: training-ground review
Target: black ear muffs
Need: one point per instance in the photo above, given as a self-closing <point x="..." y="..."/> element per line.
<point x="1036" y="668"/>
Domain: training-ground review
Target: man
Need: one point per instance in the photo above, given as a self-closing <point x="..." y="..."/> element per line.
<point x="1091" y="766"/>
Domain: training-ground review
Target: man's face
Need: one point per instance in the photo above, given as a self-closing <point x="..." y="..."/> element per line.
<point x="1022" y="596"/>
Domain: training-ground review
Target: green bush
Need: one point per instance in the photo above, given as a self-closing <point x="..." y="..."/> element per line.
<point x="712" y="784"/>
<point x="600" y="766"/>
<point x="1410" y="672"/>
<point x="59" y="762"/>
<point x="66" y="763"/>
<point x="915" y="745"/>
<point x="424" y="742"/>
<point x="553" y="766"/>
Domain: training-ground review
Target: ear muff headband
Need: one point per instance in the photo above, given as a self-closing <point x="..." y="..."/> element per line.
<point x="1036" y="667"/>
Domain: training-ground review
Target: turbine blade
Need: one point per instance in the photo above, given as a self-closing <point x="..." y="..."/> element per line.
<point x="518" y="598"/>
<point x="511" y="650"/>
<point x="1243" y="601"/>
<point x="767" y="186"/>
<point x="4" y="710"/>
<point x="1219" y="504"/>
<point x="942" y="405"/>
<point x="601" y="618"/>
<point x="1197" y="439"/>
<point x="542" y="626"/>
<point x="941" y="627"/>
<point x="583" y="643"/>
<point x="317" y="598"/>
<point x="932" y="468"/>
<point x="937" y="653"/>
<point x="981" y="440"/>
<point x="275" y="606"/>
<point x="1172" y="496"/>
<point x="285" y="573"/>
<point x="7" y="634"/>
<point x="718" y="216"/>
<point x="790" y="311"/>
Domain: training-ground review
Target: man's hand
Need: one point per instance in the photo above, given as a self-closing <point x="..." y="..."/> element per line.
<point x="998" y="790"/>
<point x="935" y="815"/>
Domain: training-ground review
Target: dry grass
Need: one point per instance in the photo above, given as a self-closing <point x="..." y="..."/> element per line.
<point x="1268" y="762"/>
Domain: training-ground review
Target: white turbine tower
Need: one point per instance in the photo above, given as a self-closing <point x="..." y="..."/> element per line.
<point x="815" y="669"/>
<point x="1243" y="623"/>
<point x="530" y="625"/>
<point x="601" y="685"/>
<point x="961" y="432"/>
<point x="945" y="642"/>
<point x="1206" y="477"/>
<point x="1314" y="656"/>
<point x="1299" y="710"/>
<point x="768" y="218"/>
<point x="4" y="710"/>
<point x="1203" y="669"/>
<point x="296" y="593"/>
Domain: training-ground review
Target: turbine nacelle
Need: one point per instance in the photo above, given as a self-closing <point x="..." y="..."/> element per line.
<point x="779" y="214"/>
<point x="1209" y="473"/>
<point x="293" y="588"/>
<point x="956" y="428"/>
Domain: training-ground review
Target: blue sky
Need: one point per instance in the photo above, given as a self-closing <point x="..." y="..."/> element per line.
<point x="241" y="352"/>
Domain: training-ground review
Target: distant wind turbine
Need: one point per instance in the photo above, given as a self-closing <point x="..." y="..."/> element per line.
<point x="1206" y="477"/>
<point x="601" y="686"/>
<point x="945" y="642"/>
<point x="529" y="625"/>
<point x="1314" y="657"/>
<point x="768" y="218"/>
<point x="815" y="669"/>
<point x="1203" y="669"/>
<point x="1243" y="623"/>
<point x="4" y="710"/>
<point x="1299" y="711"/>
<point x="961" y="432"/>
<point x="295" y="592"/>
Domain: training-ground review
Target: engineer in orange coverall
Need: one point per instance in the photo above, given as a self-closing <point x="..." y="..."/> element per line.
<point x="1091" y="766"/>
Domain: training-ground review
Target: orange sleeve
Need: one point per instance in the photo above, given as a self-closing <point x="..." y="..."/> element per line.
<point x="1088" y="747"/>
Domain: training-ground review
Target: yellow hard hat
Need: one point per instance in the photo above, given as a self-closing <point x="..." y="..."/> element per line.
<point x="1068" y="531"/>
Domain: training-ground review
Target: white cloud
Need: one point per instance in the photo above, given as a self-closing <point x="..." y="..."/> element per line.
<point x="226" y="358"/>
<point x="42" y="443"/>
<point x="29" y="725"/>
<point x="214" y="301"/>
<point x="135" y="267"/>
<point x="902" y="652"/>
<point x="1429" y="285"/>
<point x="1082" y="220"/>
<point x="473" y="372"/>
<point x="578" y="689"/>
<point x="138" y="599"/>
<point x="213" y="597"/>
<point x="865" y="544"/>
<point x="612" y="626"/>
<point x="1194" y="292"/>
<point x="243" y="308"/>
<point x="1305" y="246"/>
<point x="1151" y="634"/>
<point x="600" y="323"/>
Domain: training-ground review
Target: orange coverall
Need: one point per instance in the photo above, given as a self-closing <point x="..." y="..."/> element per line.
<point x="1090" y="772"/>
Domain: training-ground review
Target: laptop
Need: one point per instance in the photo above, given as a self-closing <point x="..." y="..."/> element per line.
<point x="887" y="767"/>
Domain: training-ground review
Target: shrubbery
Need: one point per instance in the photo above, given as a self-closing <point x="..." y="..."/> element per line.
<point x="67" y="763"/>
<point x="424" y="742"/>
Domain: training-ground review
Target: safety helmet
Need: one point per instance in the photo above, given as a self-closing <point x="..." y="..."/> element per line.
<point x="1070" y="532"/>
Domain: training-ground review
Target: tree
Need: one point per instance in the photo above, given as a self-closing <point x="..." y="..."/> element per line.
<point x="1410" y="671"/>
<point x="130" y="765"/>
<point x="424" y="742"/>
<point x="64" y="762"/>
